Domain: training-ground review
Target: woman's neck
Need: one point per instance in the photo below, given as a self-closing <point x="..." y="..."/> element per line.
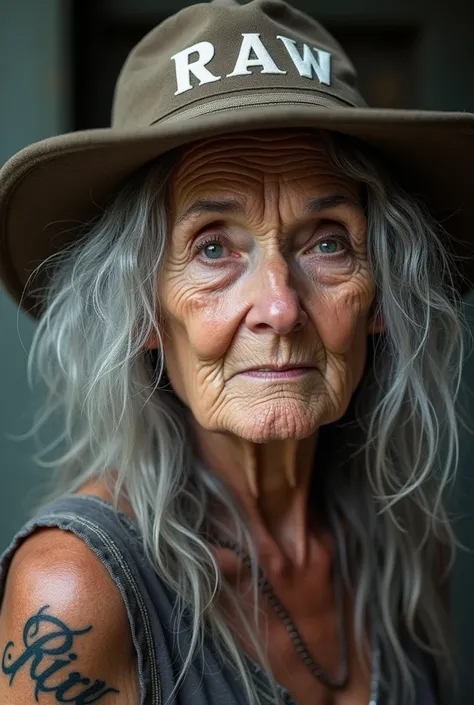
<point x="271" y="482"/>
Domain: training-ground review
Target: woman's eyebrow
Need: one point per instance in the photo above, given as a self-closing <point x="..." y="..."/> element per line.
<point x="322" y="203"/>
<point x="229" y="205"/>
<point x="205" y="205"/>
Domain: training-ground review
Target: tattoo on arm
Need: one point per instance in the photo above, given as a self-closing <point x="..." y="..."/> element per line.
<point x="45" y="640"/>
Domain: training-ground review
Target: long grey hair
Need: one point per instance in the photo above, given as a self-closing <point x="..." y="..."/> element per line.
<point x="398" y="441"/>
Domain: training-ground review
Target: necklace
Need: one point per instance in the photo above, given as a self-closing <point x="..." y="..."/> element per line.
<point x="300" y="647"/>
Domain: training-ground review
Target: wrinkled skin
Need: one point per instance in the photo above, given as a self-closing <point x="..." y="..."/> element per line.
<point x="273" y="296"/>
<point x="267" y="283"/>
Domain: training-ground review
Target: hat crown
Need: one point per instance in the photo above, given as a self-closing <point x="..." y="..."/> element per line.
<point x="222" y="54"/>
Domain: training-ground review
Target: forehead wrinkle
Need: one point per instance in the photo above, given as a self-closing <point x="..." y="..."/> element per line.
<point x="191" y="195"/>
<point x="209" y="172"/>
<point x="284" y="161"/>
<point x="273" y="199"/>
<point x="263" y="141"/>
<point x="217" y="184"/>
<point x="210" y="175"/>
<point x="297" y="151"/>
<point x="274" y="152"/>
<point x="274" y="163"/>
<point x="214" y="172"/>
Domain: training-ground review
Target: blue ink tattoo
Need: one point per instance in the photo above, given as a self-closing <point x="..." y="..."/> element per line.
<point x="57" y="641"/>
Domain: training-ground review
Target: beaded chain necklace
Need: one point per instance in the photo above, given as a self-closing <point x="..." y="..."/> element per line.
<point x="340" y="681"/>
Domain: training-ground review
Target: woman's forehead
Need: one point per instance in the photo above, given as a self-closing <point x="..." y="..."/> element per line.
<point x="291" y="156"/>
<point x="273" y="143"/>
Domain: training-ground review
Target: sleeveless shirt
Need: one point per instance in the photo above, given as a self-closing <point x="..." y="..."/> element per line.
<point x="116" y="541"/>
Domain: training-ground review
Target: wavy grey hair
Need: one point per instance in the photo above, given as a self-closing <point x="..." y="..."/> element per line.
<point x="398" y="440"/>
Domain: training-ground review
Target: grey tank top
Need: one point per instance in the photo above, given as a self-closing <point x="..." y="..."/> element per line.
<point x="116" y="541"/>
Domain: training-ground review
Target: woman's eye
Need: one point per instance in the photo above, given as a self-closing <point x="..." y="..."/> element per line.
<point x="331" y="245"/>
<point x="214" y="250"/>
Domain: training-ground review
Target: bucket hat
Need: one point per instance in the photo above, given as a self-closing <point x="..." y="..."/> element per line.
<point x="213" y="69"/>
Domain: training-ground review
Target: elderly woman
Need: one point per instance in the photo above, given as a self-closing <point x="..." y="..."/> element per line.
<point x="250" y="320"/>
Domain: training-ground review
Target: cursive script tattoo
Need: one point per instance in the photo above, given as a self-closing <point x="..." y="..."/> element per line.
<point x="45" y="638"/>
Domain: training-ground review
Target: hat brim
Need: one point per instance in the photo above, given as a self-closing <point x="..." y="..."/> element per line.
<point x="62" y="181"/>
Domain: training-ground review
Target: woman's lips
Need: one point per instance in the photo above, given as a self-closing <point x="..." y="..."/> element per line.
<point x="278" y="373"/>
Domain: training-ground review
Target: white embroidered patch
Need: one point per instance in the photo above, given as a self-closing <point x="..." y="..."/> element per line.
<point x="308" y="65"/>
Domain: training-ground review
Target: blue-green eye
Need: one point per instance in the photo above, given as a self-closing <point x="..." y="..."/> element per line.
<point x="214" y="250"/>
<point x="333" y="245"/>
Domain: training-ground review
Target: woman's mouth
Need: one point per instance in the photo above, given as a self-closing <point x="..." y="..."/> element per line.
<point x="278" y="372"/>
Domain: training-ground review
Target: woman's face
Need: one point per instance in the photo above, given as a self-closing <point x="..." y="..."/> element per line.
<point x="266" y="287"/>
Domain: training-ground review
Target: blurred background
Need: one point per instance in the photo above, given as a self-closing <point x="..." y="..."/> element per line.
<point x="59" y="60"/>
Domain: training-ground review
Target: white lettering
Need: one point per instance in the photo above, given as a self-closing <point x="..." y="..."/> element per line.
<point x="184" y="68"/>
<point x="306" y="65"/>
<point x="253" y="42"/>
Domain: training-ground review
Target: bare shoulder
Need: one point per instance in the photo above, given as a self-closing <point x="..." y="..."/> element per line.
<point x="64" y="631"/>
<point x="99" y="489"/>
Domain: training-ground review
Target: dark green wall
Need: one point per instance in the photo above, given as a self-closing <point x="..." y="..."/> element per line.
<point x="35" y="104"/>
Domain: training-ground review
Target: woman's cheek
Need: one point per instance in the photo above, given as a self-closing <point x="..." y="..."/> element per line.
<point x="207" y="303"/>
<point x="218" y="276"/>
<point x="212" y="322"/>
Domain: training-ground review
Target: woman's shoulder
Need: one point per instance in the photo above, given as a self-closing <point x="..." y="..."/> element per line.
<point x="63" y="622"/>
<point x="99" y="488"/>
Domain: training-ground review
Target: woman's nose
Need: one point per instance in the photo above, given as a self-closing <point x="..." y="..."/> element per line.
<point x="275" y="303"/>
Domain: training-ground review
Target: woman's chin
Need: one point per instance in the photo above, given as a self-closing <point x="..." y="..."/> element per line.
<point x="276" y="420"/>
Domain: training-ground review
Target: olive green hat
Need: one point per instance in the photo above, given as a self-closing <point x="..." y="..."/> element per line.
<point x="212" y="69"/>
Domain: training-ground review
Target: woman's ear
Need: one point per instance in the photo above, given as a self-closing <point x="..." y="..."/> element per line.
<point x="376" y="322"/>
<point x="152" y="342"/>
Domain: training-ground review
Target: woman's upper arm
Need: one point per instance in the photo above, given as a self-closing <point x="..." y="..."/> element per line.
<point x="64" y="632"/>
